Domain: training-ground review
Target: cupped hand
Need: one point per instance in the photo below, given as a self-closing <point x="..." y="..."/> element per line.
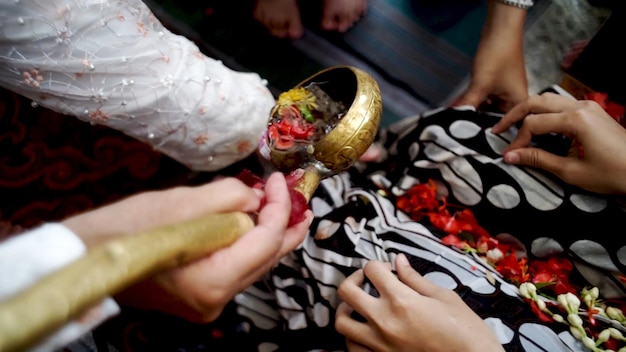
<point x="498" y="71"/>
<point x="200" y="290"/>
<point x="597" y="160"/>
<point x="411" y="314"/>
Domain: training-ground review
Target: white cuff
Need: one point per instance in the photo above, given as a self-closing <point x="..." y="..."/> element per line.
<point x="27" y="257"/>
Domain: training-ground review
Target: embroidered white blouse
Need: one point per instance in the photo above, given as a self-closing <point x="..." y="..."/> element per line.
<point x="112" y="62"/>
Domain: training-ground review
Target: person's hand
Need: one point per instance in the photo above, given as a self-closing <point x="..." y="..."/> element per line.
<point x="200" y="290"/>
<point x="498" y="72"/>
<point x="411" y="314"/>
<point x="597" y="161"/>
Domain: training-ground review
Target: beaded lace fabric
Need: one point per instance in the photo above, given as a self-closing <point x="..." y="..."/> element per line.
<point x="523" y="4"/>
<point x="113" y="63"/>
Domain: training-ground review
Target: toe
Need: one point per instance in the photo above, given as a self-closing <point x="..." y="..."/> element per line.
<point x="295" y="32"/>
<point x="329" y="24"/>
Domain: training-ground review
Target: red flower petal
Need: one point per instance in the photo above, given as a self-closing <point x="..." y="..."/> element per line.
<point x="299" y="204"/>
<point x="453" y="240"/>
<point x="541" y="315"/>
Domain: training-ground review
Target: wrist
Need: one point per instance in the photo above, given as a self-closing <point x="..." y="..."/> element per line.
<point x="88" y="227"/>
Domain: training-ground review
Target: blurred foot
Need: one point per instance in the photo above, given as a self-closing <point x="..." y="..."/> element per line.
<point x="340" y="15"/>
<point x="280" y="17"/>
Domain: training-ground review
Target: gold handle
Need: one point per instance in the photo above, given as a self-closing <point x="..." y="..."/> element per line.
<point x="108" y="269"/>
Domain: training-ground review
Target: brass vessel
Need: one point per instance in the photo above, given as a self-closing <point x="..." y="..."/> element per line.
<point x="349" y="139"/>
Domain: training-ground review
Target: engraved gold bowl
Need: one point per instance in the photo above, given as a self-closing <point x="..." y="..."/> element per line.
<point x="340" y="148"/>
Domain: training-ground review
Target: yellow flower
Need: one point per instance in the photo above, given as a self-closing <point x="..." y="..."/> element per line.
<point x="297" y="96"/>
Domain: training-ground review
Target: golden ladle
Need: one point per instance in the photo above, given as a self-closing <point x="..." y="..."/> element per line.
<point x="108" y="269"/>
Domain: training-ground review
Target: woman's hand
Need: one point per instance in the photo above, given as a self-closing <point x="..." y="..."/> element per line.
<point x="597" y="161"/>
<point x="499" y="72"/>
<point x="411" y="314"/>
<point x="200" y="290"/>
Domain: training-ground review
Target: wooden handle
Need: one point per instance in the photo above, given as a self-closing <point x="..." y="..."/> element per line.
<point x="108" y="269"/>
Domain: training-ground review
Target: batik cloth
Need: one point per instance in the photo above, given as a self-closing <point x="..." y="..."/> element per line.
<point x="356" y="220"/>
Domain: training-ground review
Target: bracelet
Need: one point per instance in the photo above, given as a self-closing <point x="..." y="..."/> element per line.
<point x="522" y="4"/>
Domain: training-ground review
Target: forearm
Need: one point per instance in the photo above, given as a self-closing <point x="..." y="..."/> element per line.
<point x="113" y="63"/>
<point x="504" y="20"/>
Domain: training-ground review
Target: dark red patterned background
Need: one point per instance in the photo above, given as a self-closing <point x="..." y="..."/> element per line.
<point x="52" y="165"/>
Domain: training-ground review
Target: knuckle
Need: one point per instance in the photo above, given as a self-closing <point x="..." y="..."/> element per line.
<point x="400" y="303"/>
<point x="232" y="183"/>
<point x="549" y="95"/>
<point x="544" y="98"/>
<point x="533" y="98"/>
<point x="581" y="116"/>
<point x="237" y="190"/>
<point x="533" y="158"/>
<point x="530" y="119"/>
<point x="589" y="104"/>
<point x="370" y="267"/>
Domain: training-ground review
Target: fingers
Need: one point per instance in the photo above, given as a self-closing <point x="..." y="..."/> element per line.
<point x="517" y="153"/>
<point x="413" y="279"/>
<point x="536" y="104"/>
<point x="341" y="16"/>
<point x="540" y="125"/>
<point x="296" y="234"/>
<point x="514" y="115"/>
<point x="282" y="19"/>
<point x="562" y="167"/>
<point x="293" y="237"/>
<point x="237" y="196"/>
<point x="240" y="264"/>
<point x="352" y="329"/>
<point x="351" y="292"/>
<point x="344" y="323"/>
<point x="266" y="238"/>
<point x="157" y="208"/>
<point x="225" y="195"/>
<point x="382" y="278"/>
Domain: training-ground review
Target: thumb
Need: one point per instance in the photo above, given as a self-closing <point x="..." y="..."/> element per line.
<point x="538" y="158"/>
<point x="413" y="279"/>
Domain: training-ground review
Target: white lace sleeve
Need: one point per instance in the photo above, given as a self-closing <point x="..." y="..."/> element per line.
<point x="27" y="257"/>
<point x="113" y="63"/>
<point x="522" y="4"/>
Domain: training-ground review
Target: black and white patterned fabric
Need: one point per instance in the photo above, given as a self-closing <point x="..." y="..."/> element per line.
<point x="356" y="220"/>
